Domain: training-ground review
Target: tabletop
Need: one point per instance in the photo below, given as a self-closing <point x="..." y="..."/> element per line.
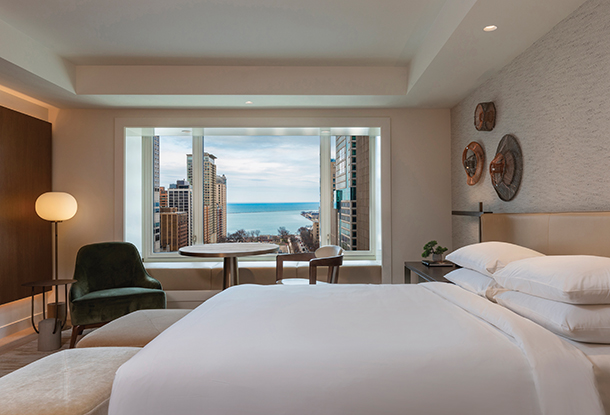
<point x="228" y="249"/>
<point x="428" y="273"/>
<point x="48" y="283"/>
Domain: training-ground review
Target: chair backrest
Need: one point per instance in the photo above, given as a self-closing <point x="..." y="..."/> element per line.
<point x="328" y="250"/>
<point x="334" y="256"/>
<point x="107" y="265"/>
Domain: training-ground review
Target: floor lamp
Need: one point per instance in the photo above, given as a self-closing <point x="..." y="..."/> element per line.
<point x="56" y="207"/>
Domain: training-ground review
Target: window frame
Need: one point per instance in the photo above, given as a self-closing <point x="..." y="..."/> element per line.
<point x="380" y="173"/>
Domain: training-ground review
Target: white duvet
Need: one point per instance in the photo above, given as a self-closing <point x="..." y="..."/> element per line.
<point x="355" y="349"/>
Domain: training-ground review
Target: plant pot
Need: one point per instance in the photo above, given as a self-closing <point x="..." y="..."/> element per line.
<point x="437" y="257"/>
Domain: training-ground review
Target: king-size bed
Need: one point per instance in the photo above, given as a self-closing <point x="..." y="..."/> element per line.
<point x="431" y="348"/>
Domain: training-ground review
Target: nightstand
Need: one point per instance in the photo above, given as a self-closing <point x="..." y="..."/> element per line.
<point x="416" y="272"/>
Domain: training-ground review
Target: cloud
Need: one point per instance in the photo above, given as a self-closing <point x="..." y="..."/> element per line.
<point x="268" y="169"/>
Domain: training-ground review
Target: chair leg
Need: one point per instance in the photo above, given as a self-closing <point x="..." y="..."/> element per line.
<point x="76" y="331"/>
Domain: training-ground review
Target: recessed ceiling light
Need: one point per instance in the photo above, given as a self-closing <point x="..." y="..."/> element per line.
<point x="490" y="28"/>
<point x="249" y="102"/>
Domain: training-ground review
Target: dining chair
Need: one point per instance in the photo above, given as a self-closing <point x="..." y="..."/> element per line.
<point x="330" y="256"/>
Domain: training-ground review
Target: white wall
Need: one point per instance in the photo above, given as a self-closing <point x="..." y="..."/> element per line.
<point x="83" y="165"/>
<point x="554" y="98"/>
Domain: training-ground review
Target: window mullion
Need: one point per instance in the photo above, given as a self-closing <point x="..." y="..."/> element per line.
<point x="147" y="193"/>
<point x="326" y="197"/>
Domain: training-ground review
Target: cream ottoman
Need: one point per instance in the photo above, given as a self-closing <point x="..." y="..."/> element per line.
<point x="77" y="382"/>
<point x="135" y="329"/>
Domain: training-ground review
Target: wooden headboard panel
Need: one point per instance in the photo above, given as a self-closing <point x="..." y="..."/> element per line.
<point x="572" y="233"/>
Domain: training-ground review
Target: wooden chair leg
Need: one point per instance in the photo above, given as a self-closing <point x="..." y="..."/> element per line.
<point x="76" y="331"/>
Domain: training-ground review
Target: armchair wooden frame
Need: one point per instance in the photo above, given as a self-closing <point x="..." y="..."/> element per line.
<point x="333" y="263"/>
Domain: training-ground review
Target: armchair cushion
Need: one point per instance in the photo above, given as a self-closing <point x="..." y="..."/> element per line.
<point x="107" y="305"/>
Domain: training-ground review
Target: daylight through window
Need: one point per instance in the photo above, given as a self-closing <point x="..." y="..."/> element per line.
<point x="297" y="191"/>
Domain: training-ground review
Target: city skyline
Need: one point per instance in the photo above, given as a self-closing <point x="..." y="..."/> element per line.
<point x="260" y="169"/>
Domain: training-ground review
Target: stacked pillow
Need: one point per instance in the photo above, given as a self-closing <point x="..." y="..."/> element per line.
<point x="481" y="261"/>
<point x="569" y="295"/>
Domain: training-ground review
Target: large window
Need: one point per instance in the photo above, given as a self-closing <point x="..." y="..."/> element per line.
<point x="298" y="188"/>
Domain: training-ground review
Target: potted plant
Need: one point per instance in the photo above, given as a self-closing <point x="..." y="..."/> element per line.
<point x="437" y="252"/>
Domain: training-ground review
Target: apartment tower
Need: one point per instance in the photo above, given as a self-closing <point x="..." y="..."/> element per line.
<point x="352" y="193"/>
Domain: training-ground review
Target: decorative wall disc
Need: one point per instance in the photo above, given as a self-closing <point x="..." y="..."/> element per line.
<point x="485" y="116"/>
<point x="473" y="160"/>
<point x="506" y="169"/>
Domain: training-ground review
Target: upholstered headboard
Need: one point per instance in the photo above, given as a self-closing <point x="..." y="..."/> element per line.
<point x="572" y="233"/>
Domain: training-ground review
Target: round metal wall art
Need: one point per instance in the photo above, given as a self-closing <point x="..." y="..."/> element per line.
<point x="506" y="169"/>
<point x="485" y="116"/>
<point x="473" y="160"/>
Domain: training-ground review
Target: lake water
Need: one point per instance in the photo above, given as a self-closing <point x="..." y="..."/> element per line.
<point x="268" y="217"/>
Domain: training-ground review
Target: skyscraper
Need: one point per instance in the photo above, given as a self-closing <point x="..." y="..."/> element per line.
<point x="210" y="213"/>
<point x="352" y="192"/>
<point x="189" y="168"/>
<point x="156" y="196"/>
<point x="221" y="205"/>
<point x="180" y="196"/>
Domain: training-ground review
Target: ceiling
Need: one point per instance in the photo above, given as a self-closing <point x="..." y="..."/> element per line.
<point x="273" y="53"/>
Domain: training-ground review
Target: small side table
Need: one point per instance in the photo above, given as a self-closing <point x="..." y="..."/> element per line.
<point x="416" y="272"/>
<point x="49" y="283"/>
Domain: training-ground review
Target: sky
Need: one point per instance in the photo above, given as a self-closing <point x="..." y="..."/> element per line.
<point x="259" y="169"/>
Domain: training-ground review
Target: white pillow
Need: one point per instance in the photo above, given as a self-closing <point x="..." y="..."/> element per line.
<point x="584" y="323"/>
<point x="475" y="282"/>
<point x="574" y="279"/>
<point x="489" y="257"/>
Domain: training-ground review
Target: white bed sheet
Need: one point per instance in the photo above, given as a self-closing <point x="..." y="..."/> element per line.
<point x="355" y="349"/>
<point x="599" y="355"/>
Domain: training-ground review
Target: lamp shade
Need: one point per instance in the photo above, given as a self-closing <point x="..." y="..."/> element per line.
<point x="56" y="206"/>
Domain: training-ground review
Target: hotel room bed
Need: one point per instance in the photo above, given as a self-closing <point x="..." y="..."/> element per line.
<point x="431" y="348"/>
<point x="391" y="349"/>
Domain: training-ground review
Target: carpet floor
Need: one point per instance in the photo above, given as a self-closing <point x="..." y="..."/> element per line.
<point x="25" y="354"/>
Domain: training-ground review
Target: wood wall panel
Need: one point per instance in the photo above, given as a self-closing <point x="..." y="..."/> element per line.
<point x="25" y="173"/>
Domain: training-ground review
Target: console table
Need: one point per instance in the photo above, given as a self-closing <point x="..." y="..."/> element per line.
<point x="416" y="272"/>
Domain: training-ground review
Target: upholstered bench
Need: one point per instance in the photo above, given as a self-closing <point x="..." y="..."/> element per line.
<point x="135" y="329"/>
<point x="77" y="382"/>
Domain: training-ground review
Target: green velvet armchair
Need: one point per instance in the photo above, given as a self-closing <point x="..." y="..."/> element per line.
<point x="110" y="282"/>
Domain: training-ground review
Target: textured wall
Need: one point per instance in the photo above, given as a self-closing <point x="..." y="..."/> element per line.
<point x="555" y="98"/>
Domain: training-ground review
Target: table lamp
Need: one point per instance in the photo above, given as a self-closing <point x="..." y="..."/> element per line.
<point x="56" y="207"/>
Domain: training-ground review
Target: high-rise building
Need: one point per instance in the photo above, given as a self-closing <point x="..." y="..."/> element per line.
<point x="180" y="196"/>
<point x="174" y="229"/>
<point x="352" y="192"/>
<point x="162" y="197"/>
<point x="156" y="196"/>
<point x="189" y="168"/>
<point x="210" y="215"/>
<point x="221" y="205"/>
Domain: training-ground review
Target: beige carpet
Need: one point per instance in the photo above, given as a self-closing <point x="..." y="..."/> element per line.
<point x="23" y="355"/>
